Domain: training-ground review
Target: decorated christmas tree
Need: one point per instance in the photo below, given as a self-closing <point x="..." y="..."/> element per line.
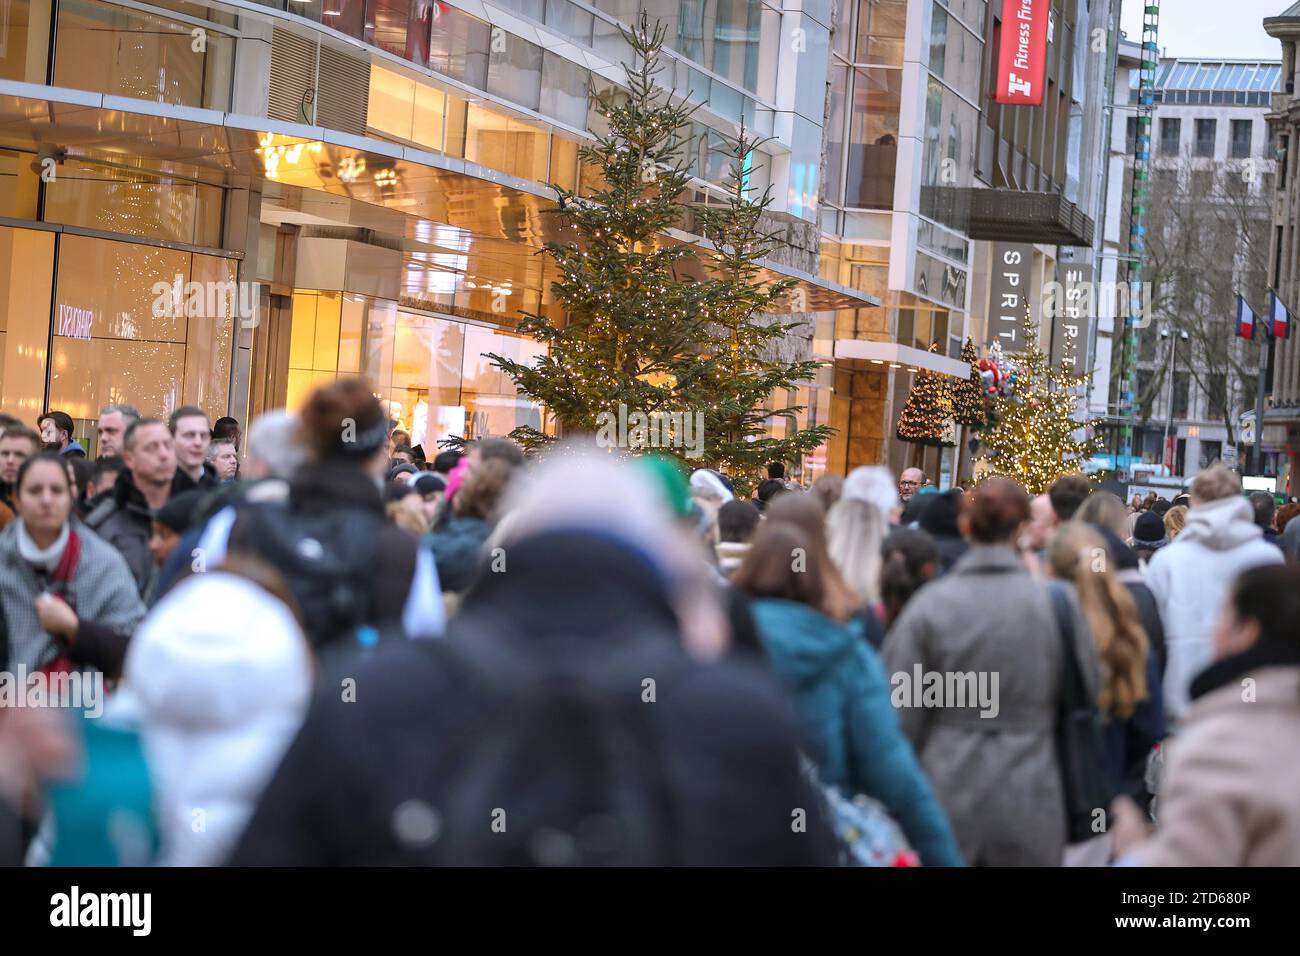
<point x="741" y="382"/>
<point x="642" y="341"/>
<point x="630" y="321"/>
<point x="968" y="398"/>
<point x="1037" y="439"/>
<point x="927" y="416"/>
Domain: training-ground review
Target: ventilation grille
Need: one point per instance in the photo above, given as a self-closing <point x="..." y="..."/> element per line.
<point x="344" y="92"/>
<point x="291" y="97"/>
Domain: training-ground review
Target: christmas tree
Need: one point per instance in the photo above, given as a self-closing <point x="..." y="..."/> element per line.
<point x="739" y="371"/>
<point x="968" y="401"/>
<point x="642" y="342"/>
<point x="631" y="321"/>
<point x="926" y="418"/>
<point x="1034" y="441"/>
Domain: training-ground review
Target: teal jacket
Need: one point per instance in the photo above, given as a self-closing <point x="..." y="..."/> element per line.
<point x="850" y="730"/>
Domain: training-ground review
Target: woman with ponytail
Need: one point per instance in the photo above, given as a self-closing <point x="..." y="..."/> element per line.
<point x="1130" y="699"/>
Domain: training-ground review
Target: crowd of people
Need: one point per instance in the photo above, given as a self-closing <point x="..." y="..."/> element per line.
<point x="322" y="647"/>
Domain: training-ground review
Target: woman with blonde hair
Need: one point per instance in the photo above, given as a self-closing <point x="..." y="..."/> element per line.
<point x="857" y="525"/>
<point x="1130" y="700"/>
<point x="1175" y="518"/>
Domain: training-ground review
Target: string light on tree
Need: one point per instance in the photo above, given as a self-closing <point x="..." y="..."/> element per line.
<point x="926" y="419"/>
<point x="1037" y="439"/>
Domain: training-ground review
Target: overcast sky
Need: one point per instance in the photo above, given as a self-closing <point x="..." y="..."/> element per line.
<point x="1211" y="28"/>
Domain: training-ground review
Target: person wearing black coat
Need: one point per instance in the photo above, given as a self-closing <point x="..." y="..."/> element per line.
<point x="939" y="520"/>
<point x="439" y="744"/>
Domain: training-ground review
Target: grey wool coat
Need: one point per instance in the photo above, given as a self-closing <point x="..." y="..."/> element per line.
<point x="102" y="592"/>
<point x="997" y="777"/>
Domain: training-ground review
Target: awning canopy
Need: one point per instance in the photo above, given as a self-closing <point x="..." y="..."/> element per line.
<point x="894" y="355"/>
<point x="452" y="218"/>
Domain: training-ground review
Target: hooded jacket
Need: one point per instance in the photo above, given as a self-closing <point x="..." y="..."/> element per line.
<point x="1190" y="579"/>
<point x="457" y="548"/>
<point x="720" y="739"/>
<point x="124" y="521"/>
<point x="851" y="731"/>
<point x="218" y="680"/>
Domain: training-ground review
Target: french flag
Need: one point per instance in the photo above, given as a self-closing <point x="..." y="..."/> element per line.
<point x="1280" y="321"/>
<point x="1245" y="320"/>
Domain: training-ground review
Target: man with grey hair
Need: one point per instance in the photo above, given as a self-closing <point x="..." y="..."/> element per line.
<point x="272" y="448"/>
<point x="1190" y="578"/>
<point x="110" y="431"/>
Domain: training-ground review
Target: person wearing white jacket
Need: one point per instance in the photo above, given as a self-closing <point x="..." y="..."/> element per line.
<point x="1191" y="577"/>
<point x="218" y="679"/>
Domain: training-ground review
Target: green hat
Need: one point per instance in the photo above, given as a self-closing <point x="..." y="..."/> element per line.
<point x="666" y="473"/>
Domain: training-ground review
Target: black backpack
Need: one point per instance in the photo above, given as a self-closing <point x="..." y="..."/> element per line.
<point x="327" y="560"/>
<point x="551" y="755"/>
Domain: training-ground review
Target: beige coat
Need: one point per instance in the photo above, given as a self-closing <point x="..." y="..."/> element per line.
<point x="1231" y="791"/>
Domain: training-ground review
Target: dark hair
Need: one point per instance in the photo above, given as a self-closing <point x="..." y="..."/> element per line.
<point x="1162" y="507"/>
<point x="8" y="421"/>
<point x="940" y="514"/>
<point x="185" y="411"/>
<point x="995" y="510"/>
<point x="737" y="520"/>
<point x="1067" y="494"/>
<point x="502" y="449"/>
<point x="398" y="489"/>
<point x="906" y="552"/>
<point x="108" y="464"/>
<point x="445" y="461"/>
<point x="344" y="421"/>
<point x="1265" y="505"/>
<point x="767" y="490"/>
<point x="22" y="431"/>
<point x="225" y="427"/>
<point x="1284" y="515"/>
<point x="1270" y="594"/>
<point x="83" y="471"/>
<point x="776" y="469"/>
<point x="827" y="490"/>
<point x="62" y="421"/>
<point x="50" y="457"/>
<point x="128" y="440"/>
<point x="402" y="450"/>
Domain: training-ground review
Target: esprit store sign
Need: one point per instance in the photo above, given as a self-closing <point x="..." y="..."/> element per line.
<point x="1022" y="53"/>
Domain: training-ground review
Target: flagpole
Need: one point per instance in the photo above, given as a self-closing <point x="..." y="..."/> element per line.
<point x="1257" y="456"/>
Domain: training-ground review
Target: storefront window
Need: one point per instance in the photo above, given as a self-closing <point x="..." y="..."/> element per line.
<point x="26" y="268"/>
<point x="134" y="204"/>
<point x="324" y="341"/>
<point x="402" y="106"/>
<point x="19" y="184"/>
<point x="119" y="338"/>
<point x="458" y="46"/>
<point x="505" y="144"/>
<point x="125" y="52"/>
<point x="873" y="138"/>
<point x="433" y="374"/>
<point x="399" y="26"/>
<point x="24" y="40"/>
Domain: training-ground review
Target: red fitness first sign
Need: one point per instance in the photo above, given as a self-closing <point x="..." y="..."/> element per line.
<point x="1022" y="53"/>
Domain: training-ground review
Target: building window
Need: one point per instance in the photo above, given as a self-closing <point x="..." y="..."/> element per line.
<point x="873" y="138"/>
<point x="1182" y="393"/>
<point x="458" y="46"/>
<point x="515" y="73"/>
<point x="1205" y="134"/>
<point x="1241" y="136"/>
<point x="1131" y="135"/>
<point x="1171" y="130"/>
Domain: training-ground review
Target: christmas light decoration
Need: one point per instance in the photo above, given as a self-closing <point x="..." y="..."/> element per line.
<point x="1036" y="438"/>
<point x="926" y="417"/>
<point x="970" y="403"/>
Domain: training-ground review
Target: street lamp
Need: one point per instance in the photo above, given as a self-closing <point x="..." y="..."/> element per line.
<point x="1173" y="364"/>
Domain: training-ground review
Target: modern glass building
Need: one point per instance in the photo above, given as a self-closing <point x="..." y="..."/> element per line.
<point x="227" y="203"/>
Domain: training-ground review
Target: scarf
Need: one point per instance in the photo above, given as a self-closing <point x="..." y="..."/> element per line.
<point x="44" y="560"/>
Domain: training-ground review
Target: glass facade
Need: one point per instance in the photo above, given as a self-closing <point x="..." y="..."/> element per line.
<point x="430" y="369"/>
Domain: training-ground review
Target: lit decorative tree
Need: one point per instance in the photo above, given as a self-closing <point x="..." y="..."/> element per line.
<point x="969" y="404"/>
<point x="1034" y="441"/>
<point x="630" y="320"/>
<point x="642" y="337"/>
<point x="739" y="370"/>
<point x="927" y="415"/>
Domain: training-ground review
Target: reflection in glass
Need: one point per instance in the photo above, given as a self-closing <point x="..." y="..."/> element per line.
<point x="124" y="52"/>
